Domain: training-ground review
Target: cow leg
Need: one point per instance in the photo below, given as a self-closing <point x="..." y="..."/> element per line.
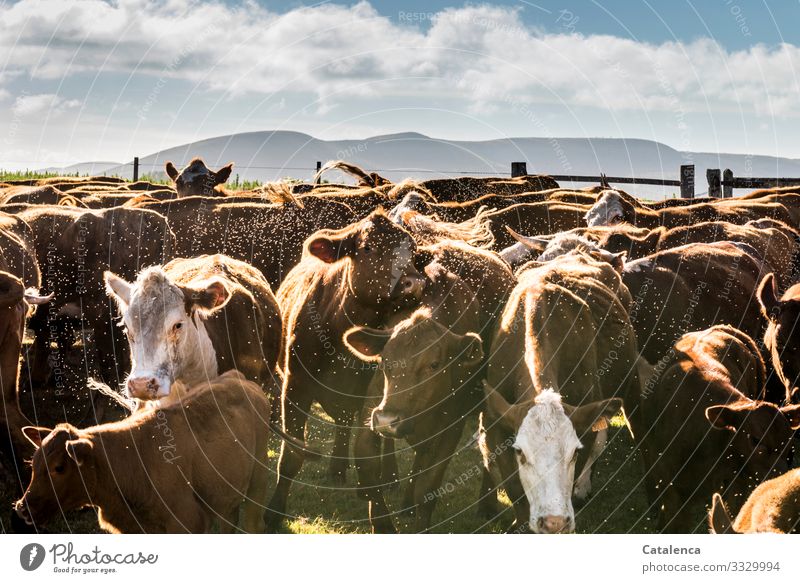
<point x="583" y="484"/>
<point x="390" y="474"/>
<point x="488" y="505"/>
<point x="366" y="450"/>
<point x="434" y="460"/>
<point x="252" y="516"/>
<point x="295" y="413"/>
<point x="340" y="457"/>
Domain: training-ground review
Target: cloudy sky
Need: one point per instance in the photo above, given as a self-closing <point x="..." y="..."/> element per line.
<point x="94" y="80"/>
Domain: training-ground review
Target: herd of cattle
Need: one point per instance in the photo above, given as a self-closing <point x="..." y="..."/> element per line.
<point x="403" y="310"/>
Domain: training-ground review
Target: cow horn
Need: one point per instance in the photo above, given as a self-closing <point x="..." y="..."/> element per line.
<point x="535" y="243"/>
<point x="719" y="519"/>
<point x="33" y="297"/>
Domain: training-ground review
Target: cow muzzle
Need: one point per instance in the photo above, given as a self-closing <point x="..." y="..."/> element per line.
<point x="21" y="508"/>
<point x="409" y="288"/>
<point x="553" y="525"/>
<point x="389" y="424"/>
<point x="145" y="388"/>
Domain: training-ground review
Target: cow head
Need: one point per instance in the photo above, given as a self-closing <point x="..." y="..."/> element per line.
<point x="423" y="363"/>
<point x="196" y="179"/>
<point x="381" y="259"/>
<point x="761" y="435"/>
<point x="62" y="473"/>
<point x="548" y="437"/>
<point x="165" y="329"/>
<point x="609" y="210"/>
<point x="782" y="337"/>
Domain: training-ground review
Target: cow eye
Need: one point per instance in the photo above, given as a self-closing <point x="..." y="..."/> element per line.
<point x="435" y="365"/>
<point x="367" y="249"/>
<point x="59" y="469"/>
<point x="178" y="326"/>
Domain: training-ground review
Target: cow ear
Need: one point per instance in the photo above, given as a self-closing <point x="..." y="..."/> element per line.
<point x="36" y="435"/>
<point x="366" y="343"/>
<point x="728" y="417"/>
<point x="208" y="296"/>
<point x="768" y="296"/>
<point x="792" y="413"/>
<point x="331" y="249"/>
<point x="79" y="449"/>
<point x="221" y="176"/>
<point x="172" y="172"/>
<point x="118" y="288"/>
<point x="719" y="519"/>
<point x="593" y="417"/>
<point x="471" y="349"/>
<point x="11" y="289"/>
<point x="509" y="416"/>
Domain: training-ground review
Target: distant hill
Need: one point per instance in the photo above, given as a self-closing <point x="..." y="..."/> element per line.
<point x="269" y="155"/>
<point x="83" y="168"/>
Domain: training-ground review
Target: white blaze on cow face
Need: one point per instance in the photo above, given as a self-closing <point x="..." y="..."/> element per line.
<point x="546" y="448"/>
<point x="166" y="331"/>
<point x="607" y="211"/>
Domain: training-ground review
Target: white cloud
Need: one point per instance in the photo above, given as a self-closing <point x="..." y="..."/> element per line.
<point x="42" y="103"/>
<point x="483" y="56"/>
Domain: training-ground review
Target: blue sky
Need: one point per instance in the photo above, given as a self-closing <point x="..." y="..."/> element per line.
<point x="94" y="80"/>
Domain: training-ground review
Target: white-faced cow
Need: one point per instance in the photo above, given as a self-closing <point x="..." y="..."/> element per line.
<point x="193" y="319"/>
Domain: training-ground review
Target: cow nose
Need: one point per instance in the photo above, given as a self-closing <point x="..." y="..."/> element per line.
<point x="384" y="422"/>
<point x="22" y="511"/>
<point x="554" y="524"/>
<point x="143" y="388"/>
<point x="411" y="286"/>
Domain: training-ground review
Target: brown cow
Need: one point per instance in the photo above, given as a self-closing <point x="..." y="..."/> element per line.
<point x="782" y="337"/>
<point x="772" y="507"/>
<point x="692" y="287"/>
<point x="706" y="429"/>
<point x="773" y="241"/>
<point x="19" y="280"/>
<point x="268" y="236"/>
<point x="429" y="373"/>
<point x="612" y="208"/>
<point x="166" y="470"/>
<point x="196" y="179"/>
<point x="565" y="328"/>
<point x="352" y="276"/>
<point x="195" y="318"/>
<point x="74" y="247"/>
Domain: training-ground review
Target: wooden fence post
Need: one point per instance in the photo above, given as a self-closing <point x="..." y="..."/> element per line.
<point x="135" y="168"/>
<point x="687" y="181"/>
<point x="714" y="177"/>
<point x="727" y="189"/>
<point x="319" y="165"/>
<point x="519" y="169"/>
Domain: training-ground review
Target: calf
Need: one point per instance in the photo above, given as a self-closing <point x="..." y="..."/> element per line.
<point x="195" y="318"/>
<point x="707" y="429"/>
<point x="164" y="470"/>
<point x="772" y="507"/>
<point x="196" y="179"/>
<point x="429" y="365"/>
